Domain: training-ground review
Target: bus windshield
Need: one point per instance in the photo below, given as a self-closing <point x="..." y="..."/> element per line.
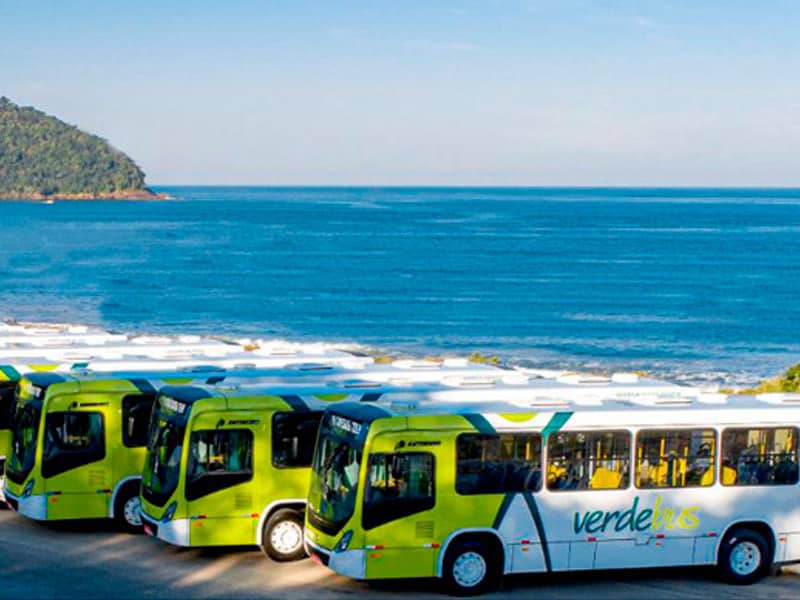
<point x="334" y="479"/>
<point x="165" y="445"/>
<point x="25" y="429"/>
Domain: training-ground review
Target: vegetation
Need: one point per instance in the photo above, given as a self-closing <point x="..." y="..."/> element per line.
<point x="477" y="357"/>
<point x="788" y="382"/>
<point x="43" y="156"/>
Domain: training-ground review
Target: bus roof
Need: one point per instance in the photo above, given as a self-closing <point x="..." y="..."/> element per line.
<point x="507" y="391"/>
<point x="482" y="382"/>
<point x="435" y="403"/>
<point x="253" y="379"/>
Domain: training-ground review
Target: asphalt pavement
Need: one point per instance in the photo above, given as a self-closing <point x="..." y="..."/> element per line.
<point x="92" y="560"/>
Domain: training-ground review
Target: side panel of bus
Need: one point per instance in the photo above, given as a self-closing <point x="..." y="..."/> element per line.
<point x="222" y="505"/>
<point x="78" y="479"/>
<point x="403" y="538"/>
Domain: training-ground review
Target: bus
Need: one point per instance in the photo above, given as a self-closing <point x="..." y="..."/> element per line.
<point x="470" y="492"/>
<point x="78" y="442"/>
<point x="231" y="466"/>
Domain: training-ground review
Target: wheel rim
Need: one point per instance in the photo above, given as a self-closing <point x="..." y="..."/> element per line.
<point x="745" y="558"/>
<point x="286" y="537"/>
<point x="132" y="511"/>
<point x="469" y="569"/>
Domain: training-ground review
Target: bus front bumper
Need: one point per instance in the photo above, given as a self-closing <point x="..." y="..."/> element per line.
<point x="33" y="507"/>
<point x="350" y="563"/>
<point x="175" y="532"/>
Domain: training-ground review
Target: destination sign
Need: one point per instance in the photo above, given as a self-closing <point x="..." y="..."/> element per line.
<point x="347" y="425"/>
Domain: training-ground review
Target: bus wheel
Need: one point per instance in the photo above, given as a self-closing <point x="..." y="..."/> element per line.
<point x="282" y="538"/>
<point x="127" y="509"/>
<point x="744" y="556"/>
<point x="470" y="569"/>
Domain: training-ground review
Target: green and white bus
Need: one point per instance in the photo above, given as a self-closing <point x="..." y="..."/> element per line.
<point x="231" y="466"/>
<point x="469" y="492"/>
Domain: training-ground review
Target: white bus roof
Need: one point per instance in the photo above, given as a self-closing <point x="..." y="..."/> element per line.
<point x="602" y="411"/>
<point x="188" y="362"/>
<point x="260" y="374"/>
<point x="484" y="383"/>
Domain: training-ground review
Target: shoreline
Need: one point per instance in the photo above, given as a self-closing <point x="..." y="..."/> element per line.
<point x="138" y="195"/>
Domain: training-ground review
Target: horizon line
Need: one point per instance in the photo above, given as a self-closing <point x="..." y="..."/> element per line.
<point x="474" y="187"/>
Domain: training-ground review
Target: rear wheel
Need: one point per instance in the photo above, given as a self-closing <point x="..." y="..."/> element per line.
<point x="282" y="538"/>
<point x="127" y="508"/>
<point x="471" y="569"/>
<point x="744" y="556"/>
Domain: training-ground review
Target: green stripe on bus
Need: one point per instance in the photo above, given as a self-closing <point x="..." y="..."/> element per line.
<point x="296" y="402"/>
<point x="537" y="520"/>
<point x="479" y="422"/>
<point x="557" y="421"/>
<point x="9" y="373"/>
<point x="508" y="498"/>
<point x="143" y="386"/>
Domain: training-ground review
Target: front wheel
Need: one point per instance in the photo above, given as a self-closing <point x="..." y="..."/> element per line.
<point x="744" y="557"/>
<point x="282" y="538"/>
<point x="128" y="509"/>
<point x="470" y="569"/>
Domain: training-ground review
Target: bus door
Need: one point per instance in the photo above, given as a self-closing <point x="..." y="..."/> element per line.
<point x="76" y="463"/>
<point x="221" y="491"/>
<point x="399" y="498"/>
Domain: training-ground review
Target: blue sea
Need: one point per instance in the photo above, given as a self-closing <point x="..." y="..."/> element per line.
<point x="692" y="284"/>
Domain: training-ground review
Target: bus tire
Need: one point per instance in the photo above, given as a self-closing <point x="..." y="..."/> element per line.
<point x="744" y="556"/>
<point x="127" y="507"/>
<point x="470" y="568"/>
<point x="282" y="537"/>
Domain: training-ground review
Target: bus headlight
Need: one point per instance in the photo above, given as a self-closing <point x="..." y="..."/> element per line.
<point x="28" y="489"/>
<point x="170" y="512"/>
<point x="344" y="542"/>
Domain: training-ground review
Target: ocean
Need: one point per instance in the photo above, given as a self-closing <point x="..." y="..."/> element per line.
<point x="690" y="284"/>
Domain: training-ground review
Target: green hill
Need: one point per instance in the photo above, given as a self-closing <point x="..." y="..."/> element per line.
<point x="41" y="156"/>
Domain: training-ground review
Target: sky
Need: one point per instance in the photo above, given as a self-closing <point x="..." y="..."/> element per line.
<point x="503" y="92"/>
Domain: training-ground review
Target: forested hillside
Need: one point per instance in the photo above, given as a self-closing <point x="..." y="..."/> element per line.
<point x="42" y="156"/>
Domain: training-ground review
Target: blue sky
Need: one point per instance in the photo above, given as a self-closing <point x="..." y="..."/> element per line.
<point x="445" y="93"/>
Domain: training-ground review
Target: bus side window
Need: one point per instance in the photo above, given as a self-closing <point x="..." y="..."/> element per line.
<point x="588" y="460"/>
<point x="760" y="456"/>
<point x="218" y="459"/>
<point x="675" y="458"/>
<point x="293" y="438"/>
<point x="398" y="485"/>
<point x="136" y="412"/>
<point x="72" y="440"/>
<point x="496" y="463"/>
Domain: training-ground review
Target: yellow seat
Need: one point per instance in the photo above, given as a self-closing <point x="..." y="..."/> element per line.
<point x="728" y="475"/>
<point x="708" y="477"/>
<point x="554" y="473"/>
<point x="605" y="479"/>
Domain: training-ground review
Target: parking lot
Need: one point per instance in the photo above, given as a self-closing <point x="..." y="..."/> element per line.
<point x="80" y="559"/>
